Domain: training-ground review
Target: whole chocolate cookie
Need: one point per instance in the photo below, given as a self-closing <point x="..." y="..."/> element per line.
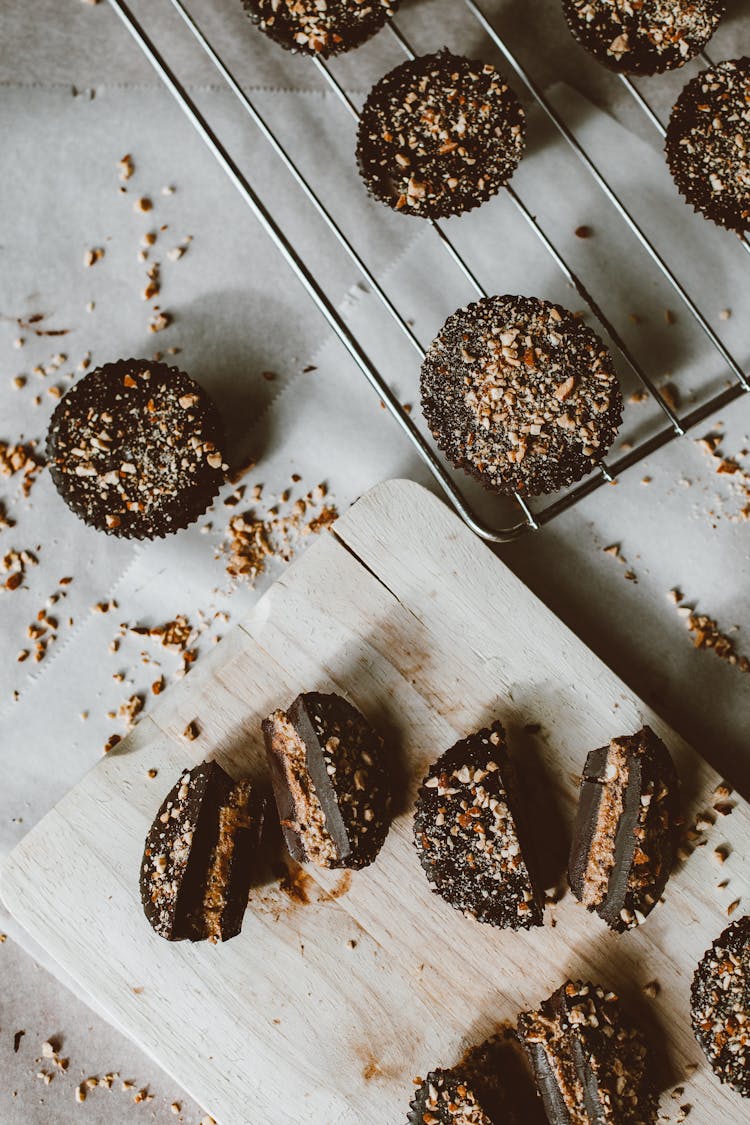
<point x="439" y="135"/>
<point x="330" y="780"/>
<point x="520" y="394"/>
<point x="643" y="36"/>
<point x="590" y="1063"/>
<point x="708" y="144"/>
<point x="626" y="829"/>
<point x="200" y="855"/>
<point x="320" y="27"/>
<point x="720" y="1005"/>
<point x="468" y="831"/>
<point x="134" y="449"/>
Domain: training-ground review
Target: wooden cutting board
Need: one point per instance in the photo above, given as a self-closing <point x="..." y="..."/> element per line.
<point x="342" y="987"/>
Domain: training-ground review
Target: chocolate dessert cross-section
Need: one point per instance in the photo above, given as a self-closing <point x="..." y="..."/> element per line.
<point x="200" y="855"/>
<point x="330" y="781"/>
<point x="626" y="828"/>
<point x="589" y="1062"/>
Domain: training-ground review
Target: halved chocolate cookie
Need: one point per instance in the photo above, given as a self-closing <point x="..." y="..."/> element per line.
<point x="626" y="829"/>
<point x="199" y="857"/>
<point x="720" y="1006"/>
<point x="589" y="1062"/>
<point x="468" y="836"/>
<point x="330" y="781"/>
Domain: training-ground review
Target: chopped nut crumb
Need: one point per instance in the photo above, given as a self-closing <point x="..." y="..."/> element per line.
<point x="91" y="257"/>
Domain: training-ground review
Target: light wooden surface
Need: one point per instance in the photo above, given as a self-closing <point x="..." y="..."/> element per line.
<point x="336" y="995"/>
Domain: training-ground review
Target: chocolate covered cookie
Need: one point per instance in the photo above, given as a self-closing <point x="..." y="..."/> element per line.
<point x="590" y="1063"/>
<point x="439" y="135"/>
<point x="200" y="855"/>
<point x="320" y="27"/>
<point x="643" y="36"/>
<point x="720" y="1006"/>
<point x="469" y="833"/>
<point x="626" y="829"/>
<point x="134" y="449"/>
<point x="330" y="779"/>
<point x="708" y="144"/>
<point x="520" y="394"/>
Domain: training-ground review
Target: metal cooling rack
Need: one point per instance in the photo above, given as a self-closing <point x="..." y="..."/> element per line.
<point x="676" y="424"/>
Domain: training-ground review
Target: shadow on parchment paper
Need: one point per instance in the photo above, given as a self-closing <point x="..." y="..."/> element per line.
<point x="229" y="357"/>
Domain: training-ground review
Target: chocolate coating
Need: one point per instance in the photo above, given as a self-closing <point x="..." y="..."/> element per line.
<point x="590" y="1063"/>
<point x="324" y="29"/>
<point x="520" y="394"/>
<point x="643" y="36"/>
<point x="134" y="449"/>
<point x="199" y="856"/>
<point x="468" y="831"/>
<point x="330" y="780"/>
<point x="708" y="142"/>
<point x="439" y="134"/>
<point x="626" y="829"/>
<point x="720" y="1006"/>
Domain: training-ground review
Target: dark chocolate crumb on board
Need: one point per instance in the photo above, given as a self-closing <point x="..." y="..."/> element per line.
<point x="626" y="829"/>
<point x="520" y="394"/>
<point x="320" y="27"/>
<point x="330" y="778"/>
<point x="589" y="1061"/>
<point x="134" y="449"/>
<point x="708" y="142"/>
<point x="643" y="36"/>
<point x="720" y="1005"/>
<point x="468" y="837"/>
<point x="439" y="134"/>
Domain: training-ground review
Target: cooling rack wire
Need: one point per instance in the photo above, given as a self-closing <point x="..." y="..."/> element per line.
<point x="526" y="519"/>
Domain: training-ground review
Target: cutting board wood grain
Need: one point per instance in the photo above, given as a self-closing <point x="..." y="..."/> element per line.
<point x="344" y="986"/>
